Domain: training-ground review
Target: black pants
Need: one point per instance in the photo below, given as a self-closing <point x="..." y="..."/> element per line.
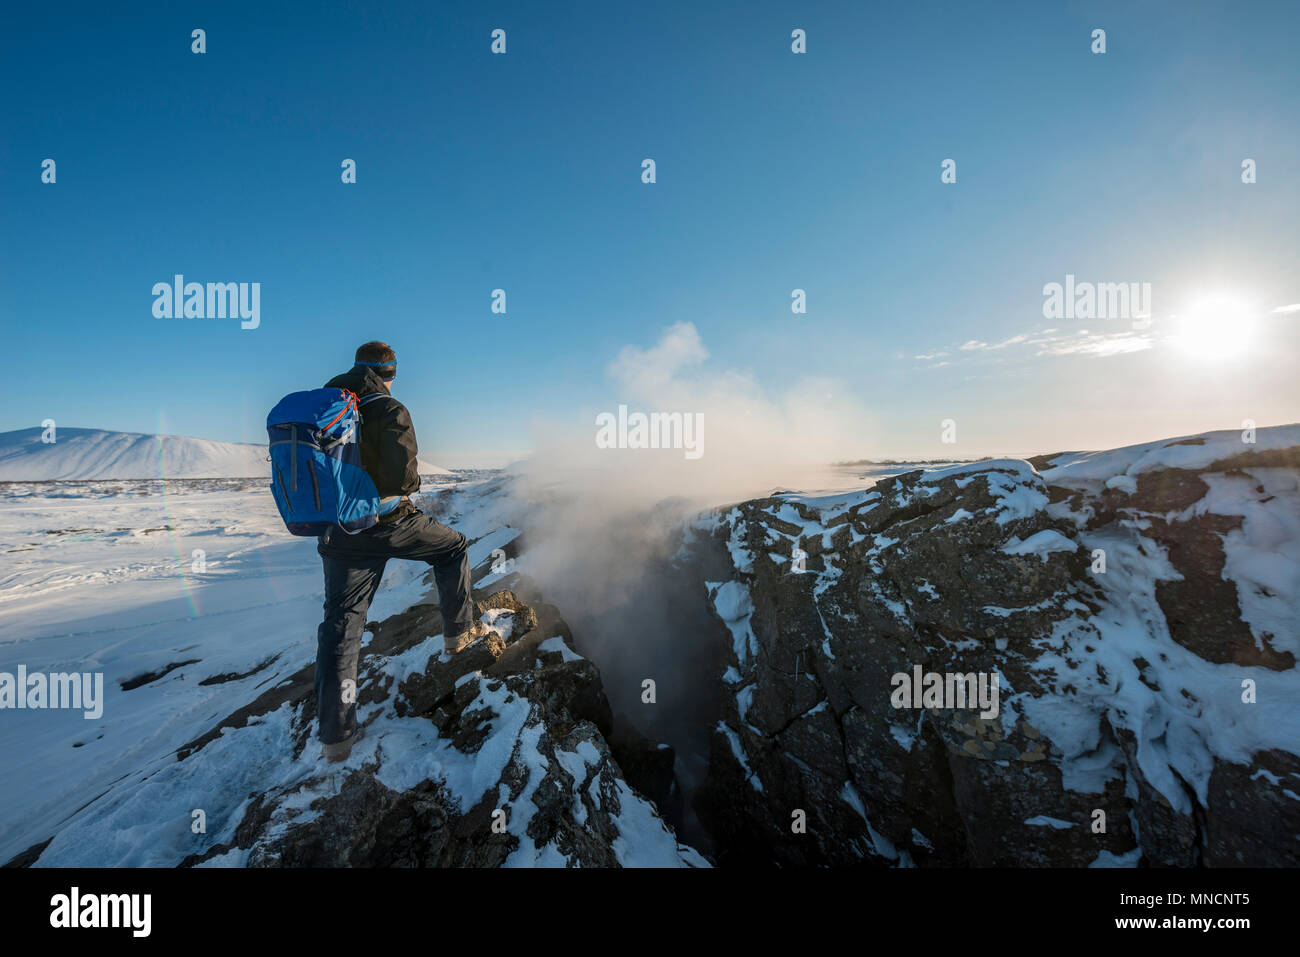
<point x="354" y="565"/>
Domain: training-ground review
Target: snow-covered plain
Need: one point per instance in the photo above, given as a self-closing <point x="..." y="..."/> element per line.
<point x="132" y="578"/>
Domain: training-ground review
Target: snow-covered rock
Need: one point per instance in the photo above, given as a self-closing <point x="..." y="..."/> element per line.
<point x="495" y="756"/>
<point x="1139" y="610"/>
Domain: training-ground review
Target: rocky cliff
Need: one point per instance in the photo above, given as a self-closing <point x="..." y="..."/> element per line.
<point x="1138" y="611"/>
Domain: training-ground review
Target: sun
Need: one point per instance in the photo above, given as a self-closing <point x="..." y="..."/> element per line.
<point x="1215" y="326"/>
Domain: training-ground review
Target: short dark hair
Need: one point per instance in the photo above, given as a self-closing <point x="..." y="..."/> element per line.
<point x="375" y="351"/>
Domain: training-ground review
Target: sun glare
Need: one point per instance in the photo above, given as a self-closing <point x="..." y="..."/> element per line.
<point x="1215" y="326"/>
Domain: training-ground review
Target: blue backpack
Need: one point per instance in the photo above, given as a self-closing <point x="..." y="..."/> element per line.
<point x="316" y="473"/>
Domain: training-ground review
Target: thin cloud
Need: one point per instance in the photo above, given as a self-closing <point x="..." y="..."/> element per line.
<point x="1053" y="342"/>
<point x="1097" y="345"/>
<point x="976" y="345"/>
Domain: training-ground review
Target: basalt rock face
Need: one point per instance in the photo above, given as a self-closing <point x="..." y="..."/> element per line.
<point x="493" y="756"/>
<point x="1138" y="611"/>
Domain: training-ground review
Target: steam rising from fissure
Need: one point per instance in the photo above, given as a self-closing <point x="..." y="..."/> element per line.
<point x="604" y="523"/>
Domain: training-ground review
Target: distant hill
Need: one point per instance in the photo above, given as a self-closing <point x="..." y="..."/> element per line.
<point x="88" y="454"/>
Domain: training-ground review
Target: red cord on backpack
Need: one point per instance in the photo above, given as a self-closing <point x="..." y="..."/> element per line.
<point x="350" y="403"/>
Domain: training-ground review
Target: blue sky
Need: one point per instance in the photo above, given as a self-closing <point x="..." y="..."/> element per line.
<point x="775" y="171"/>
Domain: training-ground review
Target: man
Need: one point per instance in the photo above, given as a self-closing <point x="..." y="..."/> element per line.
<point x="354" y="564"/>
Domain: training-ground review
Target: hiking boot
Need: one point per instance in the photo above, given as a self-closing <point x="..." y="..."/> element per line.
<point x="341" y="750"/>
<point x="455" y="643"/>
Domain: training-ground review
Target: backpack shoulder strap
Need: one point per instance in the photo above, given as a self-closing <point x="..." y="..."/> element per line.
<point x="369" y="398"/>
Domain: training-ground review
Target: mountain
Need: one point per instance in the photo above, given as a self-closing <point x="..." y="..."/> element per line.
<point x="94" y="454"/>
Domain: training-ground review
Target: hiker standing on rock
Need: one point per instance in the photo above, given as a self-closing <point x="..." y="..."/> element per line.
<point x="354" y="563"/>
